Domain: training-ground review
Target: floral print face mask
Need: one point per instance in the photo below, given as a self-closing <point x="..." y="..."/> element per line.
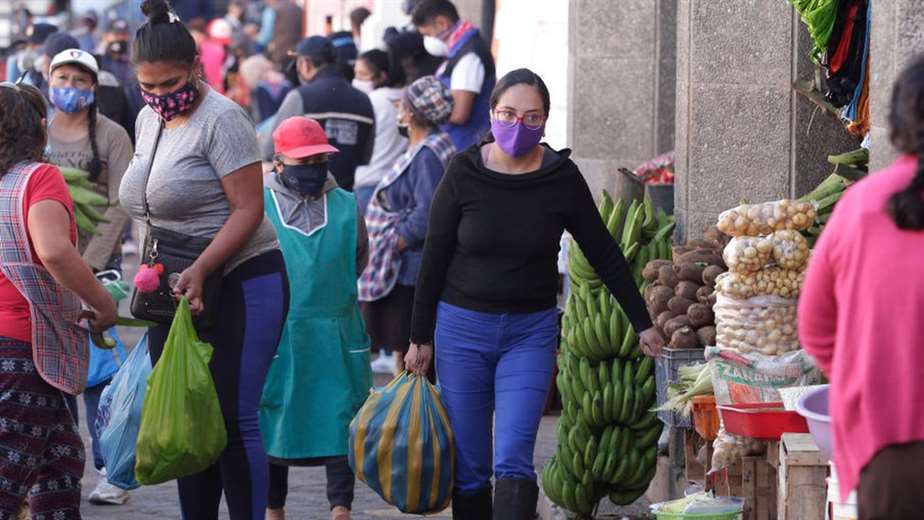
<point x="173" y="104"/>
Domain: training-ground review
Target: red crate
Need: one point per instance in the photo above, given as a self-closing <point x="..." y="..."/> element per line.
<point x="765" y="421"/>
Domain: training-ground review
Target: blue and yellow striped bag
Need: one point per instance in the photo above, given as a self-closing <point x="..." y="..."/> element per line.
<point x="402" y="447"/>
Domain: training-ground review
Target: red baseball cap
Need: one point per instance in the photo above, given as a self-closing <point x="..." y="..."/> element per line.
<point x="300" y="137"/>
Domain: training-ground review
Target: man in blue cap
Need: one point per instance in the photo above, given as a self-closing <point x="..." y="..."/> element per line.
<point x="23" y="62"/>
<point x="344" y="112"/>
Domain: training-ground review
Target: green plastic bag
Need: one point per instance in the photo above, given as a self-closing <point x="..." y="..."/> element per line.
<point x="182" y="427"/>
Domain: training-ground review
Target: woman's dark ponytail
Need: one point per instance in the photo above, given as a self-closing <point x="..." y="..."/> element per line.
<point x="95" y="166"/>
<point x="163" y="37"/>
<point x="906" y="122"/>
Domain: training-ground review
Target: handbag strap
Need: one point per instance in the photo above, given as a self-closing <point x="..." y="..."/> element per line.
<point x="147" y="175"/>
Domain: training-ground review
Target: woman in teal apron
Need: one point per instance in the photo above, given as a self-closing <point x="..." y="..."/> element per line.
<point x="321" y="373"/>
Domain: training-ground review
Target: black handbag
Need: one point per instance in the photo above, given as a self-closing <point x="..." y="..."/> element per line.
<point x="175" y="252"/>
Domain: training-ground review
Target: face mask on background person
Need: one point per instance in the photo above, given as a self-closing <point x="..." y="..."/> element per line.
<point x="117" y="48"/>
<point x="69" y="99"/>
<point x="306" y="179"/>
<point x="173" y="104"/>
<point x="363" y="85"/>
<point x="435" y="46"/>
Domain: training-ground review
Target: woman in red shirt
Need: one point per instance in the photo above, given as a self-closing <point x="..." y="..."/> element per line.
<point x="43" y="352"/>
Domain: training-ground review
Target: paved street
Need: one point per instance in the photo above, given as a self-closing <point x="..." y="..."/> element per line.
<point x="307" y="499"/>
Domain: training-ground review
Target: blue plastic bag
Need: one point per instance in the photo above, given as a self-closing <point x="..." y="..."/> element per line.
<point x="105" y="362"/>
<point x="119" y="416"/>
<point x="402" y="447"/>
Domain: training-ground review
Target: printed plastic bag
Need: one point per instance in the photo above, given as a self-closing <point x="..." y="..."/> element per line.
<point x="119" y="416"/>
<point x="402" y="447"/>
<point x="182" y="427"/>
<point x="764" y="324"/>
<point x="755" y="378"/>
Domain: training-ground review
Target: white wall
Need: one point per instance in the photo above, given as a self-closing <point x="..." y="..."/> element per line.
<point x="534" y="34"/>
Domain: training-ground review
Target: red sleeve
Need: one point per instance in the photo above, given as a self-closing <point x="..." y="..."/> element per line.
<point x="47" y="183"/>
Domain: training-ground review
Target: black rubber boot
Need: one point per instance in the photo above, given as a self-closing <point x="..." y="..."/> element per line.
<point x="472" y="507"/>
<point x="515" y="499"/>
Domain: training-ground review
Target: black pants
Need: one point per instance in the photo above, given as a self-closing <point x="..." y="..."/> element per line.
<point x="252" y="310"/>
<point x="890" y="484"/>
<point x="340" y="483"/>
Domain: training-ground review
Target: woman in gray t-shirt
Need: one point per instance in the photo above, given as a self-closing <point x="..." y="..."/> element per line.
<point x="206" y="181"/>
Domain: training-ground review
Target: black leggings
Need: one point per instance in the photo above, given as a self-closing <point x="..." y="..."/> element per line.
<point x="340" y="483"/>
<point x="253" y="306"/>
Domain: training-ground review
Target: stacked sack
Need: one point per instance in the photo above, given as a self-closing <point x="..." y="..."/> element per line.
<point x="607" y="437"/>
<point x="681" y="294"/>
<point x="766" y="258"/>
<point x="755" y="311"/>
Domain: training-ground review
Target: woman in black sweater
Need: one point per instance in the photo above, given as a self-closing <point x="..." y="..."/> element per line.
<point x="487" y="293"/>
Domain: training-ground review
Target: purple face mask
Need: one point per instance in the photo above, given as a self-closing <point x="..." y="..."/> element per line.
<point x="518" y="139"/>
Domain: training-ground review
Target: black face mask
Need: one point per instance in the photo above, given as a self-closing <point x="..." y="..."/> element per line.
<point x="305" y="179"/>
<point x="403" y="130"/>
<point x="117" y="48"/>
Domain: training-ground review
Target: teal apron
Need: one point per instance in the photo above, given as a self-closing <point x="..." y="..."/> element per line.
<point x="321" y="373"/>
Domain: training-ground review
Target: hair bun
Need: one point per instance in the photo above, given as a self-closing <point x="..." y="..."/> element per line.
<point x="157" y="11"/>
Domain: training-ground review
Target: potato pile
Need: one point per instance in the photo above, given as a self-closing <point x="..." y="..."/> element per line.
<point x="681" y="294"/>
<point x="756" y="309"/>
<point x="752" y="220"/>
<point x="764" y="325"/>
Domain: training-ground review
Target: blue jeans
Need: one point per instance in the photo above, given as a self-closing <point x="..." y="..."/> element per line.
<point x="494" y="366"/>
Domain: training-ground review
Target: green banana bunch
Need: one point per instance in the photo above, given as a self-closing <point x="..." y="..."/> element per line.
<point x="607" y="433"/>
<point x="85" y="199"/>
<point x="824" y="197"/>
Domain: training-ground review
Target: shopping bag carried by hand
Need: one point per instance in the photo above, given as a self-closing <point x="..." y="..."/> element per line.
<point x="402" y="447"/>
<point x="119" y="416"/>
<point x="182" y="427"/>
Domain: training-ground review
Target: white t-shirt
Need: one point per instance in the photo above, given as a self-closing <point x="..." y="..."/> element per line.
<point x="468" y="74"/>
<point x="389" y="145"/>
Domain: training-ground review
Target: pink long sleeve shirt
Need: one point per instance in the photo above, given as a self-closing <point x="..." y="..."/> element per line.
<point x="861" y="315"/>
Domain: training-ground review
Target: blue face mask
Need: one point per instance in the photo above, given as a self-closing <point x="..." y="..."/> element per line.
<point x="71" y="100"/>
<point x="306" y="179"/>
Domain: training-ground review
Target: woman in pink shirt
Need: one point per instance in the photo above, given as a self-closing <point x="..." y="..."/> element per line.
<point x="862" y="316"/>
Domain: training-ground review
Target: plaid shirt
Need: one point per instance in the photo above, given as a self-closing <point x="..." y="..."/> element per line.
<point x="59" y="346"/>
<point x="381" y="272"/>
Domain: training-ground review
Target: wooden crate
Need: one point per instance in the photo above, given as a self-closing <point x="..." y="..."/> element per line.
<point x="802" y="479"/>
<point x="695" y="469"/>
<point x="758" y="487"/>
<point x="753" y="479"/>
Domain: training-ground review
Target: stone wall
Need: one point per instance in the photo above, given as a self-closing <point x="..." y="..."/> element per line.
<point x="621" y="91"/>
<point x="742" y="132"/>
<point x="897" y="36"/>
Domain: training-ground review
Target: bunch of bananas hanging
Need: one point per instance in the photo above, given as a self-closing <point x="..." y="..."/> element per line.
<point x="85" y="197"/>
<point x="607" y="434"/>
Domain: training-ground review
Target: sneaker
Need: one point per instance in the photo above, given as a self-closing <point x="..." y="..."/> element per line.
<point x="384" y="364"/>
<point x="107" y="494"/>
